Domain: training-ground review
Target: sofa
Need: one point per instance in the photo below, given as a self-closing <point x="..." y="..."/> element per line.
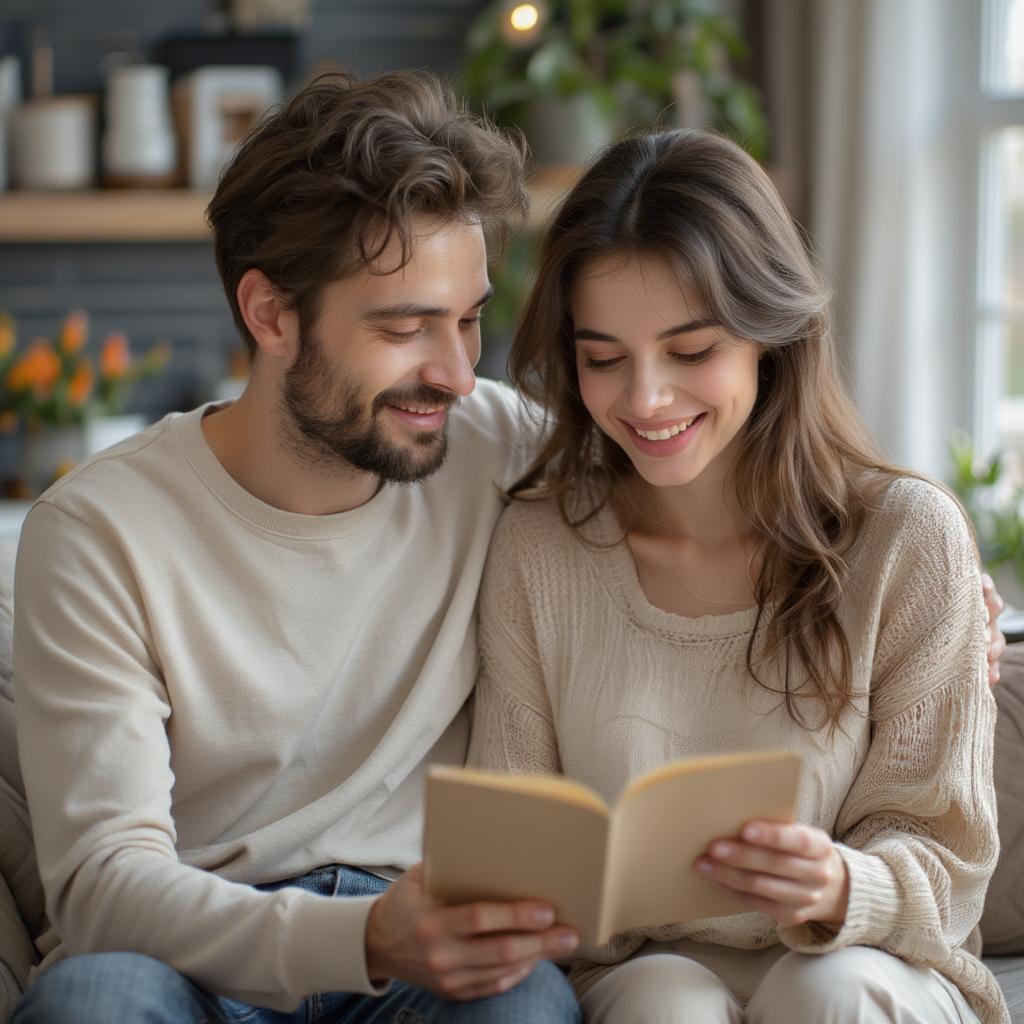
<point x="21" y="894"/>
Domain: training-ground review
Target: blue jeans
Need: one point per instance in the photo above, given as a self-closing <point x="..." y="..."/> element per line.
<point x="100" y="988"/>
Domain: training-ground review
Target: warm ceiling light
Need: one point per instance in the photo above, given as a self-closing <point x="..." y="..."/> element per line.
<point x="524" y="17"/>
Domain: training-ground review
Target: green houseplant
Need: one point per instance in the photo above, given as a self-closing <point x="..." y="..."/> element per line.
<point x="616" y="64"/>
<point x="995" y="504"/>
<point x="586" y="71"/>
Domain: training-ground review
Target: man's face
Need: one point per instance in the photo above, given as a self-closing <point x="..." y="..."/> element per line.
<point x="391" y="353"/>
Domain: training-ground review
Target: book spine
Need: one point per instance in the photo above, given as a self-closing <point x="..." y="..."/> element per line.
<point x="608" y="902"/>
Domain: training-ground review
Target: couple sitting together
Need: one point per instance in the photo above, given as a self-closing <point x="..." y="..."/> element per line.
<point x="243" y="634"/>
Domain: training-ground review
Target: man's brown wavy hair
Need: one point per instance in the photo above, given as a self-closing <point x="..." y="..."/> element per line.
<point x="321" y="185"/>
<point x="807" y="472"/>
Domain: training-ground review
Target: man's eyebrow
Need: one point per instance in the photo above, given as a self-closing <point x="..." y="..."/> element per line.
<point x="402" y="310"/>
<point x="586" y="334"/>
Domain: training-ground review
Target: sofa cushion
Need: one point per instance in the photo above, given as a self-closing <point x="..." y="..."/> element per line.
<point x="17" y="858"/>
<point x="1002" y="924"/>
<point x="1009" y="972"/>
<point x="17" y="954"/>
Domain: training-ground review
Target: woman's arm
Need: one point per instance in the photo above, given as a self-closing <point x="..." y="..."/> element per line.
<point x="916" y="837"/>
<point x="917" y="831"/>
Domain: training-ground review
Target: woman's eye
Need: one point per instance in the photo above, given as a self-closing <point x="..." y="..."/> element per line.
<point x="403" y="335"/>
<point x="471" y="321"/>
<point x="601" y="364"/>
<point x="695" y="357"/>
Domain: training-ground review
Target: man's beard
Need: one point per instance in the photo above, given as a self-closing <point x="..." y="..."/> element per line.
<point x="334" y="428"/>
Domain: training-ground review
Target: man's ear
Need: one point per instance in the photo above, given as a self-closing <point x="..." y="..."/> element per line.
<point x="274" y="327"/>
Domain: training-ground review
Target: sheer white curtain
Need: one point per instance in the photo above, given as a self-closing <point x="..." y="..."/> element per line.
<point x="891" y="208"/>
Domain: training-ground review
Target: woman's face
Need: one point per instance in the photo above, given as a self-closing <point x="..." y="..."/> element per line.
<point x="661" y="378"/>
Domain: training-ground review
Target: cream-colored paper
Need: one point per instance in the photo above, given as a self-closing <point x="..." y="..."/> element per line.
<point x="502" y="837"/>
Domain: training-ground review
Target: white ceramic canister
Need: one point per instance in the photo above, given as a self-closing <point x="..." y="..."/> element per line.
<point x="10" y="98"/>
<point x="53" y="143"/>
<point x="138" y="142"/>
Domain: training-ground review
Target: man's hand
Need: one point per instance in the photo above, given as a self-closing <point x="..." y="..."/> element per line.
<point x="793" y="873"/>
<point x="996" y="641"/>
<point x="458" y="952"/>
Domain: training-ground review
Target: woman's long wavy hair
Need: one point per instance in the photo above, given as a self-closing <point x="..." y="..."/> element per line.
<point x="807" y="471"/>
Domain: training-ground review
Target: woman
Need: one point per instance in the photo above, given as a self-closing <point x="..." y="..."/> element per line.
<point x="711" y="556"/>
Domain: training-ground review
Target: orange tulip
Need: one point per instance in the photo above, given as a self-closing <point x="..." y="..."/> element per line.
<point x="80" y="385"/>
<point x="115" y="359"/>
<point x="18" y="379"/>
<point x="6" y="336"/>
<point x="38" y="369"/>
<point x="74" y="332"/>
<point x="45" y="365"/>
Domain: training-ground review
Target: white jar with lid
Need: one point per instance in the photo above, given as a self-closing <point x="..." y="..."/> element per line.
<point x="138" y="142"/>
<point x="53" y="142"/>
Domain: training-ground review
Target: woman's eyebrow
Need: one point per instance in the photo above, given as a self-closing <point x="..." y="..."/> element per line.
<point x="588" y="334"/>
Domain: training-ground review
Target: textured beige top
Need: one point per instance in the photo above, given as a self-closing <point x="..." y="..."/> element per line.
<point x="582" y="675"/>
<point x="212" y="691"/>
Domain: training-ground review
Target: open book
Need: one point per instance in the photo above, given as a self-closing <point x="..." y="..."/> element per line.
<point x="509" y="837"/>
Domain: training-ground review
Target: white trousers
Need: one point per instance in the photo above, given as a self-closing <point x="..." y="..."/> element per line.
<point x="856" y="985"/>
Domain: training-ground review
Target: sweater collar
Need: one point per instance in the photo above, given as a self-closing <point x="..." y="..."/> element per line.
<point x="231" y="494"/>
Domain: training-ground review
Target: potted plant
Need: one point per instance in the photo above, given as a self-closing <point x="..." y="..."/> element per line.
<point x="575" y="73"/>
<point x="60" y="400"/>
<point x="995" y="503"/>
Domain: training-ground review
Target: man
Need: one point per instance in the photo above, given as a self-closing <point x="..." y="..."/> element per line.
<point x="243" y="634"/>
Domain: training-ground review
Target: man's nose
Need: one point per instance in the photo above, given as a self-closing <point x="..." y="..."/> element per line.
<point x="451" y="367"/>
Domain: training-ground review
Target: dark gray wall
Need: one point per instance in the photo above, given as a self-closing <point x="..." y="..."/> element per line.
<point x="366" y="35"/>
<point x="171" y="290"/>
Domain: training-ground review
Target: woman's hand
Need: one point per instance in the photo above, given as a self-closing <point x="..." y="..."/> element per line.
<point x="793" y="873"/>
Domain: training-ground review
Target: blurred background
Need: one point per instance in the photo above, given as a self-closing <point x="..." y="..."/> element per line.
<point x="894" y="131"/>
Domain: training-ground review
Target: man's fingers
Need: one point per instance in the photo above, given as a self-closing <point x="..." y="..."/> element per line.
<point x="481" y="984"/>
<point x="993" y="602"/>
<point x="996" y="647"/>
<point x="482" y="918"/>
<point x="501" y="951"/>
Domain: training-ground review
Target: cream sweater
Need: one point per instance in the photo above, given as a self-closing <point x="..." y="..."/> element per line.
<point x="582" y="675"/>
<point x="213" y="693"/>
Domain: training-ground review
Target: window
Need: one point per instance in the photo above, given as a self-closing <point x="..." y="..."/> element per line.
<point x="1000" y="307"/>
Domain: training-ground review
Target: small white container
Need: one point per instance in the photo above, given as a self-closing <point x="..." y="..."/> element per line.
<point x="105" y="431"/>
<point x="138" y="143"/>
<point x="10" y="98"/>
<point x="53" y="142"/>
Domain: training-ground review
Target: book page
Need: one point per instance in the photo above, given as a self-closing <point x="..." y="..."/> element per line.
<point x="667" y="819"/>
<point x="502" y="837"/>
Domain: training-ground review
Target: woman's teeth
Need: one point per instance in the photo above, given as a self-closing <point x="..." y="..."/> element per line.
<point x="667" y="432"/>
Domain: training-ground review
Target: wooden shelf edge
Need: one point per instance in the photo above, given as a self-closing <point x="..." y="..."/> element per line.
<point x="171" y="214"/>
<point x="110" y="215"/>
<point x="179" y="214"/>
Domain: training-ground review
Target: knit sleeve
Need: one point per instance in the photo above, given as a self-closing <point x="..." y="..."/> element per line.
<point x="513" y="723"/>
<point x="917" y="830"/>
